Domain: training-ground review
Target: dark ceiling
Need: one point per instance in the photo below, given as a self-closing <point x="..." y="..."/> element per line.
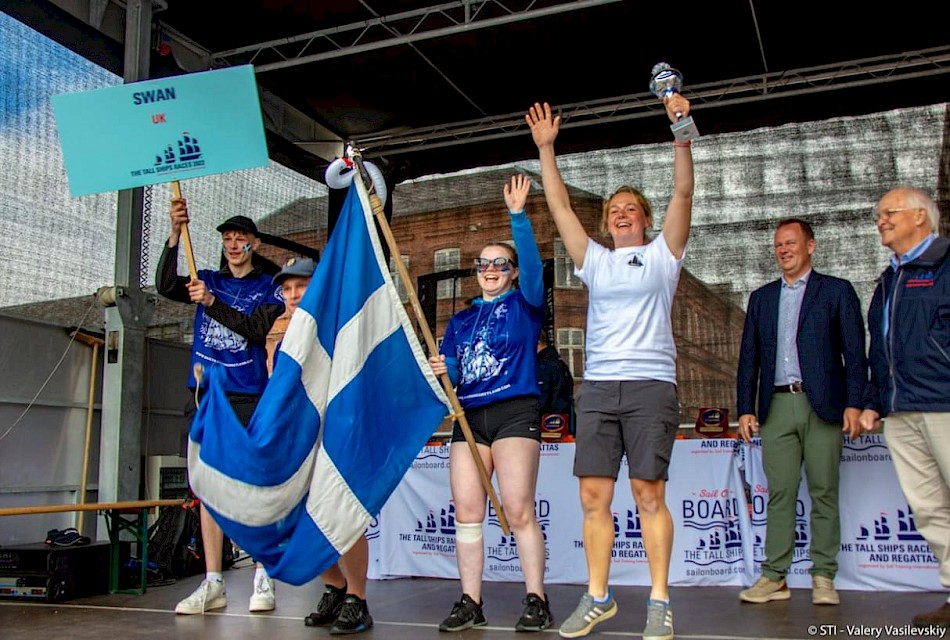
<point x="460" y="97"/>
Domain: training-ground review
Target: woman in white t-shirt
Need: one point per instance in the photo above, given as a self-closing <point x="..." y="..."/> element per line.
<point x="627" y="402"/>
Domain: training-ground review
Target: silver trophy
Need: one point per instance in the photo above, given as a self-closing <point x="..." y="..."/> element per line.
<point x="665" y="81"/>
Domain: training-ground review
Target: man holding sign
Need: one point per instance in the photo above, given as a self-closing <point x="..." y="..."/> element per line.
<point x="236" y="307"/>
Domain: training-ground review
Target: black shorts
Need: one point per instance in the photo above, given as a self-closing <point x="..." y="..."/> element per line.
<point x="515" y="418"/>
<point x="638" y="418"/>
<point x="243" y="405"/>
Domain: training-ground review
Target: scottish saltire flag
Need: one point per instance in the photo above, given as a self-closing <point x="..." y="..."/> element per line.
<point x="351" y="402"/>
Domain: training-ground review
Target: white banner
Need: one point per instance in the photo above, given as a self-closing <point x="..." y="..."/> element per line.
<point x="717" y="495"/>
<point x="881" y="548"/>
<point x="712" y="542"/>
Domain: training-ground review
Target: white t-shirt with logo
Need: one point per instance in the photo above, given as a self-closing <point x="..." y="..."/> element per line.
<point x="629" y="331"/>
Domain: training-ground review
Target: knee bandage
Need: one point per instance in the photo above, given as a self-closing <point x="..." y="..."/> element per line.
<point x="468" y="532"/>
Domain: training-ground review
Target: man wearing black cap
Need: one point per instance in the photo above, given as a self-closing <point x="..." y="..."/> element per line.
<point x="236" y="307"/>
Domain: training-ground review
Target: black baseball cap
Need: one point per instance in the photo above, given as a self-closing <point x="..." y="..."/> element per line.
<point x="238" y="223"/>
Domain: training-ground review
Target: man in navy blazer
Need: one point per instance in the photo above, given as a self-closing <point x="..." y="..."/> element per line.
<point x="802" y="358"/>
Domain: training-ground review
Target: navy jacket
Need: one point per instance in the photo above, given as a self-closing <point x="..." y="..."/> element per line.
<point x="830" y="348"/>
<point x="910" y="370"/>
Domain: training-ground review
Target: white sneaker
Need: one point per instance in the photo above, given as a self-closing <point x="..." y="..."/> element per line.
<point x="210" y="594"/>
<point x="264" y="598"/>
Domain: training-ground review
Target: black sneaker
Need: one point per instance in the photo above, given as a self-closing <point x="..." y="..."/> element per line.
<point x="354" y="617"/>
<point x="328" y="608"/>
<point x="466" y="613"/>
<point x="536" y="616"/>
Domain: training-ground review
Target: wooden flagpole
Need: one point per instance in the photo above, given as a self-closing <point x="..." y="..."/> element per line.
<point x="185" y="236"/>
<point x="457" y="412"/>
<point x="95" y="343"/>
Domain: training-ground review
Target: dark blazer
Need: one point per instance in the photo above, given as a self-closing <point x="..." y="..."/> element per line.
<point x="830" y="348"/>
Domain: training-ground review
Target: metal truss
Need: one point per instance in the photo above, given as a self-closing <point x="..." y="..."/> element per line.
<point x="768" y="86"/>
<point x="377" y="33"/>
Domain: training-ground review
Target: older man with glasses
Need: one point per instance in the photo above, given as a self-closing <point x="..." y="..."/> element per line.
<point x="909" y="323"/>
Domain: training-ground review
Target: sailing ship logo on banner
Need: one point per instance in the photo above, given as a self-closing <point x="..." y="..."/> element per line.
<point x="188" y="156"/>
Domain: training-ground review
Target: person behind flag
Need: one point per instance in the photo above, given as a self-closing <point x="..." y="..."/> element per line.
<point x="489" y="353"/>
<point x="344" y="599"/>
<point x="236" y="307"/>
<point x="627" y="401"/>
<point x="555" y="380"/>
<point x="300" y="484"/>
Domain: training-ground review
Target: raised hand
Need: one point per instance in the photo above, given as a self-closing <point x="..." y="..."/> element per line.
<point x="516" y="193"/>
<point x="544" y="127"/>
<point x="178" y="214"/>
<point x="676" y="104"/>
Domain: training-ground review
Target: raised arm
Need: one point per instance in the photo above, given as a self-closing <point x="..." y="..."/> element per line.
<point x="679" y="211"/>
<point x="530" y="268"/>
<point x="167" y="281"/>
<point x="544" y="130"/>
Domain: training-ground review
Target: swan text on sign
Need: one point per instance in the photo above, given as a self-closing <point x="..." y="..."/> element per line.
<point x="153" y="95"/>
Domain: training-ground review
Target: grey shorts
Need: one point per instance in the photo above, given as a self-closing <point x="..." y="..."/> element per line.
<point x="515" y="418"/>
<point x="638" y="418"/>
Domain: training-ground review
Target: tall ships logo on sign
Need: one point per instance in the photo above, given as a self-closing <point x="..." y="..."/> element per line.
<point x="713" y="514"/>
<point x="181" y="154"/>
<point x="628" y="538"/>
<point x="888" y="539"/>
<point x="889" y="549"/>
<point x="434" y="533"/>
<point x="502" y="552"/>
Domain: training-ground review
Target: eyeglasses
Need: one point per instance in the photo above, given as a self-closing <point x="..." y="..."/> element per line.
<point x="886" y="214"/>
<point x="501" y="263"/>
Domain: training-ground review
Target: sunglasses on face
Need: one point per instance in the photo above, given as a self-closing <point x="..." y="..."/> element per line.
<point x="501" y="263"/>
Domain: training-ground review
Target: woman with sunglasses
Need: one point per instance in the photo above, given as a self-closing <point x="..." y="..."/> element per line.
<point x="489" y="353"/>
<point x="627" y="402"/>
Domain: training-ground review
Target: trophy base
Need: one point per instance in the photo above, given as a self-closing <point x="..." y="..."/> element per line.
<point x="684" y="130"/>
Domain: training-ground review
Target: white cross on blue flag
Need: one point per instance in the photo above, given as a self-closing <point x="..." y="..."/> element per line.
<point x="351" y="402"/>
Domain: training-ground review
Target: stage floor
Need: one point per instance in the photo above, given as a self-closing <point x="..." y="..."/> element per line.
<point x="413" y="607"/>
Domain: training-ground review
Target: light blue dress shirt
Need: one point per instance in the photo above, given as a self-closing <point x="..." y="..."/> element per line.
<point x="787" y="367"/>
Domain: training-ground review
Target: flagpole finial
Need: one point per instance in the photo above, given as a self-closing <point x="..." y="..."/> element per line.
<point x="340" y="172"/>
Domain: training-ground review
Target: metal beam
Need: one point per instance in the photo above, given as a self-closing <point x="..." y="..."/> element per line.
<point x="468" y="21"/>
<point x="97" y="10"/>
<point x="120" y="440"/>
<point x="782" y="84"/>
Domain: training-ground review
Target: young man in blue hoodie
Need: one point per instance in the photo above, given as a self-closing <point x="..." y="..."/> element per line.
<point x="236" y="307"/>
